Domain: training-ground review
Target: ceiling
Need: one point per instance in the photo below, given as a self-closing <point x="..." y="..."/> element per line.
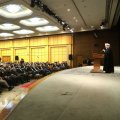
<point x="80" y="15"/>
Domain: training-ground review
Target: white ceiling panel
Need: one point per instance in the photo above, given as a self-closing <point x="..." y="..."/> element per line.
<point x="80" y="15"/>
<point x="93" y="11"/>
<point x="72" y="17"/>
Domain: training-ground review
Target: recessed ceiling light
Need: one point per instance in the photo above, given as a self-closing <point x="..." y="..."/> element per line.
<point x="23" y="31"/>
<point x="68" y="28"/>
<point x="63" y="23"/>
<point x="102" y="27"/>
<point x="9" y="26"/>
<point x="76" y="20"/>
<point x="72" y="30"/>
<point x="68" y="10"/>
<point x="74" y="17"/>
<point x="92" y="26"/>
<point x="6" y="34"/>
<point x="34" y="21"/>
<point x="47" y="28"/>
<point x="82" y="29"/>
<point x="14" y="11"/>
<point x="12" y="8"/>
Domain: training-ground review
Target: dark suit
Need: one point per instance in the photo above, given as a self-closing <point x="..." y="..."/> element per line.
<point x="108" y="61"/>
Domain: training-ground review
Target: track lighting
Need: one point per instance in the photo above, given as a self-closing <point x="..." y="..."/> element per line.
<point x="45" y="8"/>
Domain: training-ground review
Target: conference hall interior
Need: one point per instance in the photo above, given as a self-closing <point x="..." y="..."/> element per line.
<point x="59" y="59"/>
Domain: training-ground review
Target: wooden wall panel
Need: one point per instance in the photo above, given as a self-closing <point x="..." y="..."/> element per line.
<point x="21" y="53"/>
<point x="6" y="52"/>
<point x="84" y="44"/>
<point x="58" y="53"/>
<point x="21" y="43"/>
<point x="6" y="44"/>
<point x="37" y="41"/>
<point x="60" y="40"/>
<point x="38" y="48"/>
<point x="39" y="54"/>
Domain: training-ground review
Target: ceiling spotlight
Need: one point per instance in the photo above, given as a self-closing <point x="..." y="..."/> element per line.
<point x="63" y="28"/>
<point x="71" y="30"/>
<point x="63" y="23"/>
<point x="101" y="27"/>
<point x="103" y="24"/>
<point x="68" y="10"/>
<point x="92" y="26"/>
<point x="45" y="8"/>
<point x="74" y="18"/>
<point x="68" y="28"/>
<point x="33" y="3"/>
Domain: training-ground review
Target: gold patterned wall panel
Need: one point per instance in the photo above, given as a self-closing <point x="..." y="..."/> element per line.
<point x="5" y="44"/>
<point x="20" y="43"/>
<point x="39" y="54"/>
<point x="22" y="53"/>
<point x="60" y="40"/>
<point x="6" y="55"/>
<point x="6" y="52"/>
<point x="37" y="41"/>
<point x="43" y="49"/>
<point x="58" y="53"/>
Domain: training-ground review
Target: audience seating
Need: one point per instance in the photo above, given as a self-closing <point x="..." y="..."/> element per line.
<point x="13" y="74"/>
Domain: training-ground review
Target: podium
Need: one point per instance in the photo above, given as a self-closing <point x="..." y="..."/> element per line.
<point x="97" y="61"/>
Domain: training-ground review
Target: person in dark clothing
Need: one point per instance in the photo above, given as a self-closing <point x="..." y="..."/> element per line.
<point x="108" y="66"/>
<point x="22" y="61"/>
<point x="5" y="84"/>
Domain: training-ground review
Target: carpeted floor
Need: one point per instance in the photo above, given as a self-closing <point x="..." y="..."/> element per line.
<point x="15" y="94"/>
<point x="26" y="85"/>
<point x="74" y="94"/>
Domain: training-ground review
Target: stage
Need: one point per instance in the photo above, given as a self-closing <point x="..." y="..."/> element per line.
<point x="73" y="94"/>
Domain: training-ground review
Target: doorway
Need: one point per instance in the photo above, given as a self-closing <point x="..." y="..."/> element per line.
<point x="6" y="58"/>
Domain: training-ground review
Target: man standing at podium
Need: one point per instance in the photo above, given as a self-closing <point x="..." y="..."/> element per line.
<point x="108" y="59"/>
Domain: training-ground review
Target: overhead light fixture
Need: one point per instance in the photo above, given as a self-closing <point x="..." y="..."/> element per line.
<point x="92" y="26"/>
<point x="82" y="29"/>
<point x="12" y="8"/>
<point x="47" y="10"/>
<point x="102" y="27"/>
<point x="72" y="30"/>
<point x="6" y="34"/>
<point x="35" y="21"/>
<point x="23" y="31"/>
<point x="74" y="18"/>
<point x="14" y="11"/>
<point x="68" y="10"/>
<point x="47" y="28"/>
<point x="9" y="26"/>
<point x="103" y="24"/>
<point x="63" y="22"/>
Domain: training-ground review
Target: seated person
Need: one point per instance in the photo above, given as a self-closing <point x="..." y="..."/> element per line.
<point x="3" y="83"/>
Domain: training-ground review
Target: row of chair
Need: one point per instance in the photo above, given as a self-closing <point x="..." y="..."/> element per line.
<point x="13" y="74"/>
